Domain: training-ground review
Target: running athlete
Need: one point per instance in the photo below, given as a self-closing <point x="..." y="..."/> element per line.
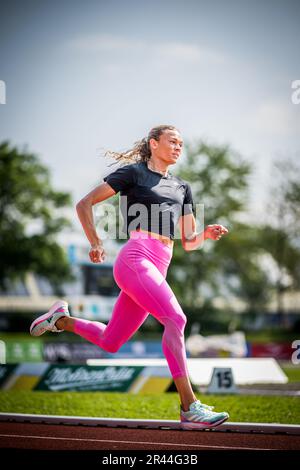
<point x="162" y="201"/>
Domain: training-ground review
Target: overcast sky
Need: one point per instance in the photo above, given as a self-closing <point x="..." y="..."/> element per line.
<point x="82" y="76"/>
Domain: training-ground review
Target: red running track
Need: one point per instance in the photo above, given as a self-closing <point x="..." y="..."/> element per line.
<point x="67" y="437"/>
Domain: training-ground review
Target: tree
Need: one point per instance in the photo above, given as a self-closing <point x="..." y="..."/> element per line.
<point x="280" y="233"/>
<point x="28" y="202"/>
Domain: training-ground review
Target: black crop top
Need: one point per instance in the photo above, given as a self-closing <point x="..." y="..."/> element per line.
<point x="149" y="200"/>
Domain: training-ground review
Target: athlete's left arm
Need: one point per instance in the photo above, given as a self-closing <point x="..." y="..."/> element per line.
<point x="187" y="227"/>
<point x="190" y="239"/>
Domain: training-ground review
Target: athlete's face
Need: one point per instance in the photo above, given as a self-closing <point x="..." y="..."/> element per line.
<point x="169" y="146"/>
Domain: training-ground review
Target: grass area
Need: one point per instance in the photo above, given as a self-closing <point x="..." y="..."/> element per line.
<point x="14" y="336"/>
<point x="272" y="336"/>
<point x="156" y="406"/>
<point x="293" y="373"/>
<point x="48" y="337"/>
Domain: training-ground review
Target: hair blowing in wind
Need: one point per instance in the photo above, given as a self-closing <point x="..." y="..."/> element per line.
<point x="141" y="150"/>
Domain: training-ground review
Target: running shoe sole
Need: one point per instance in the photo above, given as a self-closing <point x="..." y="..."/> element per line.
<point x="42" y="318"/>
<point x="189" y="425"/>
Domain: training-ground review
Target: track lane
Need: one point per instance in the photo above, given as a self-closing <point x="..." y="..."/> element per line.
<point x="67" y="437"/>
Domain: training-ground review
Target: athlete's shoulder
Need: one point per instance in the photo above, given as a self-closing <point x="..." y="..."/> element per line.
<point x="129" y="169"/>
<point x="138" y="167"/>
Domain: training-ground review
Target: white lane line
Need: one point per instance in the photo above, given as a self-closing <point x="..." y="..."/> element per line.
<point x="132" y="442"/>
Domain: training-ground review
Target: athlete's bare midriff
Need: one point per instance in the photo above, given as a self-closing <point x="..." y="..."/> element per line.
<point x="166" y="240"/>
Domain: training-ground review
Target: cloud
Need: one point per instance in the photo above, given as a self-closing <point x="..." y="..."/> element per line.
<point x="189" y="52"/>
<point x="181" y="51"/>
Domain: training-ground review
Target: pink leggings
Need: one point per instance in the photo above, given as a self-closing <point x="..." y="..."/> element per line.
<point x="140" y="271"/>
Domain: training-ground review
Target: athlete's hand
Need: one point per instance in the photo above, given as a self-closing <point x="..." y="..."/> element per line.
<point x="215" y="231"/>
<point x="97" y="253"/>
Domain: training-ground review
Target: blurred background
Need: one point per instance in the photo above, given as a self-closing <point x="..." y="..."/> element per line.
<point x="79" y="78"/>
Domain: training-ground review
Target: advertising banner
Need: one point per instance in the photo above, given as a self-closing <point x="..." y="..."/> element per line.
<point x="87" y="378"/>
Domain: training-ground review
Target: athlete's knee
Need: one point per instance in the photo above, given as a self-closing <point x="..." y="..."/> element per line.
<point x="110" y="347"/>
<point x="176" y="314"/>
<point x="182" y="322"/>
<point x="176" y="323"/>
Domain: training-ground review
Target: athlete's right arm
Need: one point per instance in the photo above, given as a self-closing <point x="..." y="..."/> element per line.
<point x="85" y="214"/>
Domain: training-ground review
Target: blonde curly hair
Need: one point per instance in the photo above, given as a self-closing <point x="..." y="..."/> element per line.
<point x="141" y="150"/>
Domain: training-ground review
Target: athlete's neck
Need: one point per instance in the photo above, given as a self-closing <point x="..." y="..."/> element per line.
<point x="159" y="167"/>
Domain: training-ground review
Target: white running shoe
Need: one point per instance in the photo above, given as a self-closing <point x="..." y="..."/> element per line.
<point x="47" y="321"/>
<point x="201" y="416"/>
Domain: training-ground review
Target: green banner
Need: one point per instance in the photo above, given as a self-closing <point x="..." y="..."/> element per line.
<point x="61" y="377"/>
<point x="23" y="351"/>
